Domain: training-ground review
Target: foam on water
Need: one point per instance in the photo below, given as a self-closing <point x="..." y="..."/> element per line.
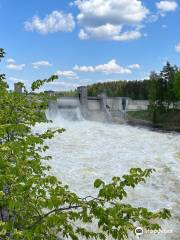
<point x="90" y="150"/>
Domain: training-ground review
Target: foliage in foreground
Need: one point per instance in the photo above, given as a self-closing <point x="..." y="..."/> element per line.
<point x="35" y="205"/>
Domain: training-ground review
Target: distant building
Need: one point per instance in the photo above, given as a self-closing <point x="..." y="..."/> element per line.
<point x="18" y="88"/>
<point x="50" y="92"/>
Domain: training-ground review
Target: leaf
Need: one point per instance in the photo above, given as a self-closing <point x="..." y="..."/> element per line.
<point x="98" y="183"/>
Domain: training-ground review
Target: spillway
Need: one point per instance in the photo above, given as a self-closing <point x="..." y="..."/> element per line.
<point x="90" y="150"/>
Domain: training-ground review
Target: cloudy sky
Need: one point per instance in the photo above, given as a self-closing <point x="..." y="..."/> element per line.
<point x="87" y="41"/>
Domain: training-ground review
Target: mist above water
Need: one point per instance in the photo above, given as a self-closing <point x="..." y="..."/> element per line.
<point x="90" y="150"/>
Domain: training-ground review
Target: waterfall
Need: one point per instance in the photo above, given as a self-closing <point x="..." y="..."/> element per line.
<point x="55" y="113"/>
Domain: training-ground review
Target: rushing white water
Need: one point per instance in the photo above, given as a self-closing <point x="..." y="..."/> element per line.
<point x="90" y="150"/>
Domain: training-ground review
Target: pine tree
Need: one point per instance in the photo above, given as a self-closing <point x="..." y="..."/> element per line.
<point x="176" y="86"/>
<point x="167" y="76"/>
<point x="153" y="97"/>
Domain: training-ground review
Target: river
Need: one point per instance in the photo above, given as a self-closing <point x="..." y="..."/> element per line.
<point x="89" y="150"/>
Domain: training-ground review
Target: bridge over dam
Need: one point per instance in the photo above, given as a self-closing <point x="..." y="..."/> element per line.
<point x="100" y="108"/>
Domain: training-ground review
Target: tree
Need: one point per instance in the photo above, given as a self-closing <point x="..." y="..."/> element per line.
<point x="163" y="91"/>
<point x="35" y="205"/>
<point x="176" y="86"/>
<point x="153" y="103"/>
<point x="167" y="76"/>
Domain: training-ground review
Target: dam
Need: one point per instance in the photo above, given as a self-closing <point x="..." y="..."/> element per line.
<point x="101" y="108"/>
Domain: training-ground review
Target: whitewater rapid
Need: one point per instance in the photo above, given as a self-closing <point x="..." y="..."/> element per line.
<point x="89" y="150"/>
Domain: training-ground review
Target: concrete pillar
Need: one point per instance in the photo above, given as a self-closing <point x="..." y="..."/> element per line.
<point x="83" y="99"/>
<point x="17" y="88"/>
<point x="104" y="107"/>
<point x="82" y="94"/>
<point x="124" y="107"/>
<point x="103" y="101"/>
<point x="124" y="103"/>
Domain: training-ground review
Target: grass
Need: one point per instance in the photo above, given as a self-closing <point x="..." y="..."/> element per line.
<point x="141" y="114"/>
<point x="167" y="120"/>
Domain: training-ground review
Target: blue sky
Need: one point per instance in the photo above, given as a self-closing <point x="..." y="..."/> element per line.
<point x="87" y="41"/>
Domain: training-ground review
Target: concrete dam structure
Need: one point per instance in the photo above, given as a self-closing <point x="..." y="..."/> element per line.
<point x="100" y="108"/>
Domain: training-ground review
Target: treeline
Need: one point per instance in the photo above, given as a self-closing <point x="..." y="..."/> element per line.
<point x="71" y="93"/>
<point x="137" y="90"/>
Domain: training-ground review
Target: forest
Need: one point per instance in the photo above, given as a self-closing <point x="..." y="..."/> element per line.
<point x="137" y="90"/>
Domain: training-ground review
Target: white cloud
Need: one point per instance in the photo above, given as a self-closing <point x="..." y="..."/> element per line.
<point x="14" y="66"/>
<point x="11" y="64"/>
<point x="64" y="86"/>
<point x="107" y="19"/>
<point x="108" y="32"/>
<point x="84" y="68"/>
<point x="145" y="77"/>
<point x="128" y="35"/>
<point x="10" y="60"/>
<point x="83" y="35"/>
<point x="71" y="4"/>
<point x="54" y="22"/>
<point x="15" y="80"/>
<point x="67" y="74"/>
<point x="39" y="64"/>
<point x="112" y="67"/>
<point x="166" y="6"/>
<point x="108" y="68"/>
<point x="134" y="66"/>
<point x="100" y="12"/>
<point x="177" y="47"/>
<point x="153" y="18"/>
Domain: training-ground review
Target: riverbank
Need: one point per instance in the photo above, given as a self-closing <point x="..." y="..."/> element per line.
<point x="168" y="121"/>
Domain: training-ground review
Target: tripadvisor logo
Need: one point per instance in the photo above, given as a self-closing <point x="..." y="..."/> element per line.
<point x="139" y="231"/>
